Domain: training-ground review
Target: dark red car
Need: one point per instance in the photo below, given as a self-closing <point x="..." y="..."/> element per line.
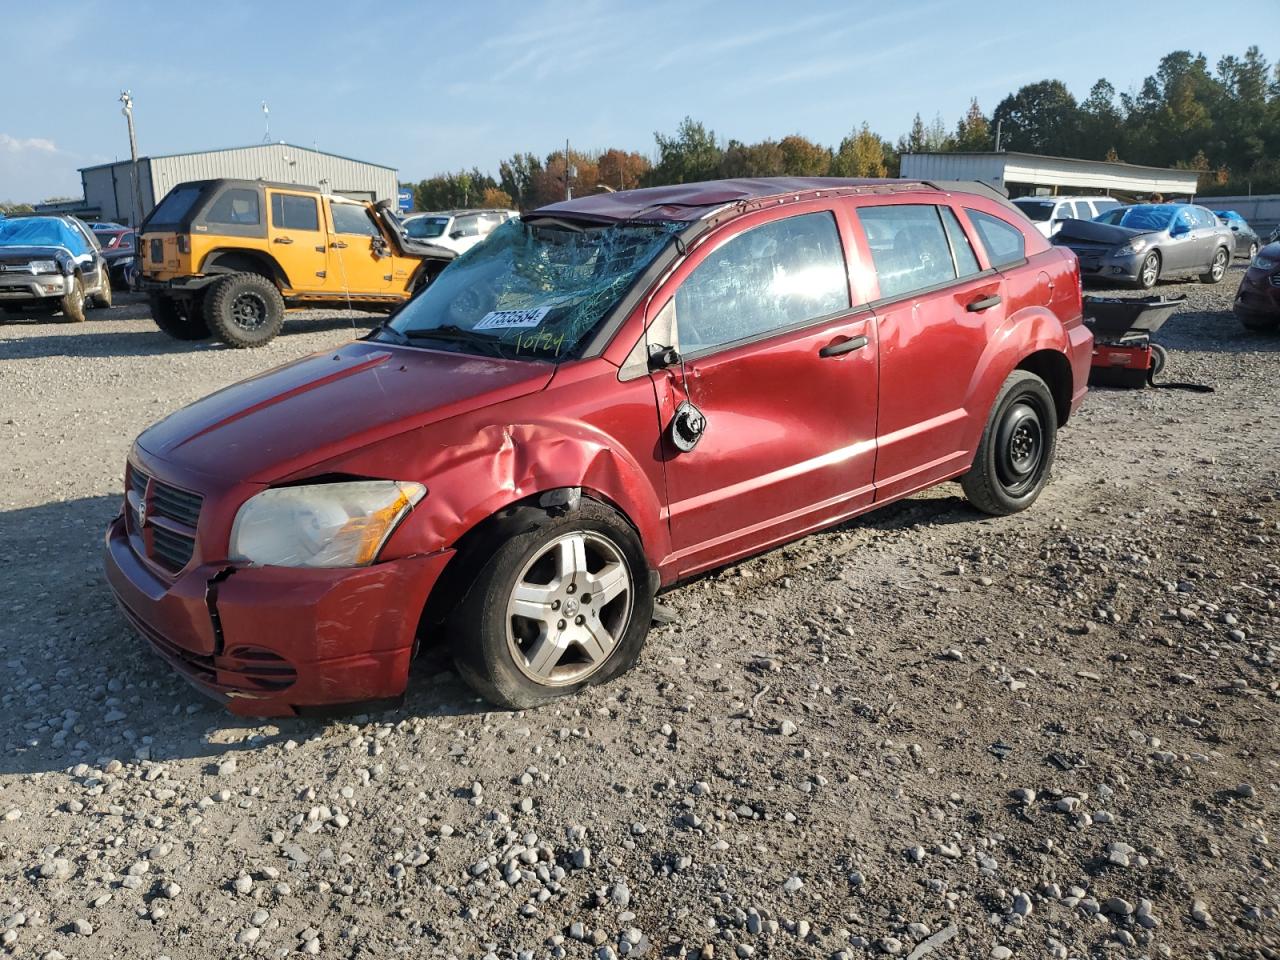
<point x="1257" y="304"/>
<point x="605" y="397"/>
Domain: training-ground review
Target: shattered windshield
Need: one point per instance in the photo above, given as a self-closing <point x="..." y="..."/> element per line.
<point x="532" y="289"/>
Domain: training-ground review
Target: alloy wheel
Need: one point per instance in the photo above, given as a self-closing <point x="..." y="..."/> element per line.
<point x="569" y="609"/>
<point x="1219" y="264"/>
<point x="1150" y="271"/>
<point x="249" y="310"/>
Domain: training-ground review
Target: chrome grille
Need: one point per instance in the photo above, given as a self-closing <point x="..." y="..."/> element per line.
<point x="162" y="519"/>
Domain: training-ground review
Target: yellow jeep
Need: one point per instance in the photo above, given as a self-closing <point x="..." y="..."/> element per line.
<point x="227" y="257"/>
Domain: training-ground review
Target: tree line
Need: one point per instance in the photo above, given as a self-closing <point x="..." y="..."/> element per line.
<point x="1222" y="121"/>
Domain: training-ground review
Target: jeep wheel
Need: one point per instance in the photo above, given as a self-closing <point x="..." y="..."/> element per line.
<point x="72" y="305"/>
<point x="562" y="604"/>
<point x="180" y="319"/>
<point x="102" y="299"/>
<point x="244" y="310"/>
<point x="1015" y="453"/>
<point x="1217" y="267"/>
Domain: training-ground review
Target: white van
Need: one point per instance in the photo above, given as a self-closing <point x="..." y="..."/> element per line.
<point x="1047" y="213"/>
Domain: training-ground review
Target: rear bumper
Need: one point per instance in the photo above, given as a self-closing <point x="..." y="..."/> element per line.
<point x="176" y="285"/>
<point x="267" y="641"/>
<point x="1080" y="340"/>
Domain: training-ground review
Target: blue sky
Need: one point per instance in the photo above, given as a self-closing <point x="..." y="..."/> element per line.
<point x="428" y="87"/>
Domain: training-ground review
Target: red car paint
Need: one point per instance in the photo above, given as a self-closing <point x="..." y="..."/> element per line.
<point x="795" y="443"/>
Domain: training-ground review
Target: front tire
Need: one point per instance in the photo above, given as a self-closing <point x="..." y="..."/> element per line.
<point x="1217" y="266"/>
<point x="562" y="604"/>
<point x="180" y="319"/>
<point x="1149" y="272"/>
<point x="244" y="310"/>
<point x="72" y="304"/>
<point x="1015" y="454"/>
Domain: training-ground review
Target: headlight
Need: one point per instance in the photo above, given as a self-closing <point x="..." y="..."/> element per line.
<point x="324" y="525"/>
<point x="44" y="266"/>
<point x="1133" y="246"/>
<point x="1263" y="263"/>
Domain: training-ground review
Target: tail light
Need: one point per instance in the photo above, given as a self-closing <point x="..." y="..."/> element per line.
<point x="184" y="243"/>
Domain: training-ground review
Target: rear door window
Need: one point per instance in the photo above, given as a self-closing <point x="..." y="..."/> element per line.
<point x="237" y="206"/>
<point x="770" y="277"/>
<point x="289" y="211"/>
<point x="1004" y="243"/>
<point x="966" y="260"/>
<point x="917" y="254"/>
<point x="1083" y="211"/>
<point x="352" y="218"/>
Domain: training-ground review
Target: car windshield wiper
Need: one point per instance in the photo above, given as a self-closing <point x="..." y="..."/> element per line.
<point x="391" y="333"/>
<point x="452" y="333"/>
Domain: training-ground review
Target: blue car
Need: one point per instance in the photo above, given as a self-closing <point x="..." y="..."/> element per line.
<point x="1247" y="240"/>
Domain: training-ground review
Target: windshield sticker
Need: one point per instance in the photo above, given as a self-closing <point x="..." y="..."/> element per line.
<point x="512" y="319"/>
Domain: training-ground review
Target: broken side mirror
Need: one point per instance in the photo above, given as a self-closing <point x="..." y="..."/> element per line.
<point x="661" y="357"/>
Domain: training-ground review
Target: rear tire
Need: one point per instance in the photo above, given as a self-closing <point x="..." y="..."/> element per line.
<point x="72" y="305"/>
<point x="180" y="319"/>
<point x="1217" y="266"/>
<point x="102" y="299"/>
<point x="244" y="310"/>
<point x="574" y="562"/>
<point x="1015" y="454"/>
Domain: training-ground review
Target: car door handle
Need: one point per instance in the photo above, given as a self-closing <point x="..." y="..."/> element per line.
<point x="986" y="303"/>
<point x="843" y="347"/>
<point x="338" y="245"/>
<point x="283" y="240"/>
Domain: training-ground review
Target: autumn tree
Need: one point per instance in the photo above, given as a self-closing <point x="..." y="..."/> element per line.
<point x="621" y="170"/>
<point x="861" y="154"/>
<point x="803" y="158"/>
<point x="495" y="198"/>
<point x="973" y="132"/>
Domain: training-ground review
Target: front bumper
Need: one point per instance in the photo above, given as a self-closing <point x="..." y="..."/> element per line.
<point x="1258" y="296"/>
<point x="267" y="641"/>
<point x="16" y="287"/>
<point x="1111" y="266"/>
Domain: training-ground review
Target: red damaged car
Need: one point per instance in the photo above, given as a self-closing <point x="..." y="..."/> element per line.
<point x="607" y="396"/>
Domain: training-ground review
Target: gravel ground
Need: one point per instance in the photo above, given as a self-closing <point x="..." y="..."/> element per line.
<point x="924" y="733"/>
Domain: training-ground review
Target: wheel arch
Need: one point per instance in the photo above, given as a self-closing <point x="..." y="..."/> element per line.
<point x="246" y="261"/>
<point x="1054" y="369"/>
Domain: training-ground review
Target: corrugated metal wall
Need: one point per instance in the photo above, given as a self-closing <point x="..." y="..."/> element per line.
<point x="108" y="187"/>
<point x="953" y="166"/>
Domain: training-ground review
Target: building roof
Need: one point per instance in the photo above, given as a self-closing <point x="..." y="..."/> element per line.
<point x="251" y="146"/>
<point x="689" y="201"/>
<point x="1014" y="154"/>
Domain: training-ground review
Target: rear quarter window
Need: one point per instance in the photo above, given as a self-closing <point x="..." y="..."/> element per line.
<point x="236" y="206"/>
<point x="1004" y="243"/>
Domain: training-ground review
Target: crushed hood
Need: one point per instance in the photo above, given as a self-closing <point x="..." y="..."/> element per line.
<point x="1097" y="232"/>
<point x="328" y="404"/>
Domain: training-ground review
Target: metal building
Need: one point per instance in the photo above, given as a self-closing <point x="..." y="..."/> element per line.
<point x="108" y="192"/>
<point x="1028" y="173"/>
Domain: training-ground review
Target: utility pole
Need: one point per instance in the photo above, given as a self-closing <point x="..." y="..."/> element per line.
<point x="126" y="98"/>
<point x="266" y="119"/>
<point x="999" y="124"/>
<point x="568" y="190"/>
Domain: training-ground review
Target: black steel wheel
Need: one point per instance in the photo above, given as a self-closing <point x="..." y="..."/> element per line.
<point x="1015" y="454"/>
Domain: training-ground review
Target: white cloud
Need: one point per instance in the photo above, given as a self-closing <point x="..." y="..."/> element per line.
<point x="30" y="144"/>
<point x="32" y="168"/>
